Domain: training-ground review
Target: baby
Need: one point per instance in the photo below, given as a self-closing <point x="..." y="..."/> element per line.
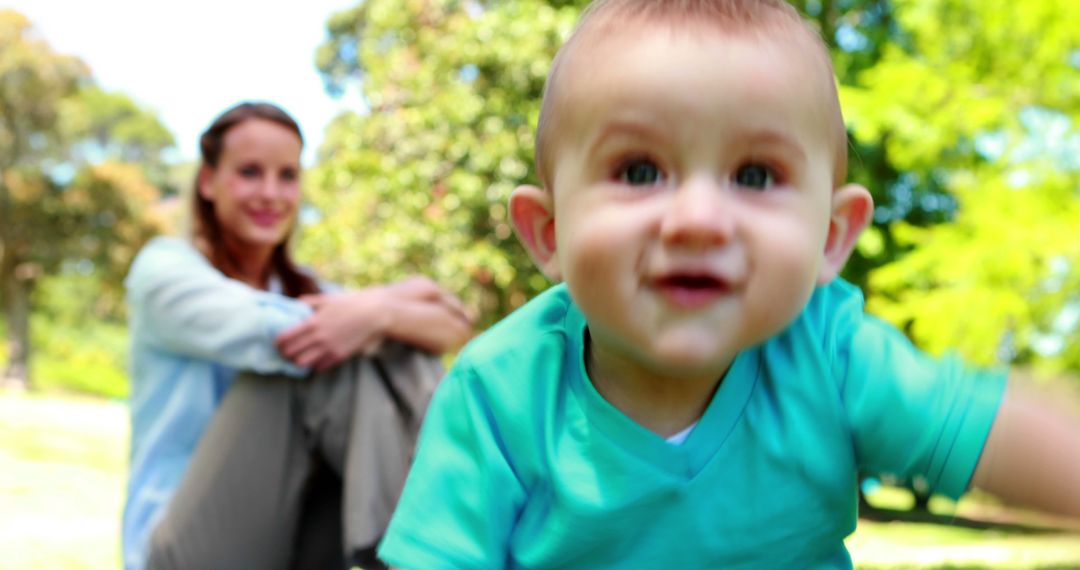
<point x="701" y="391"/>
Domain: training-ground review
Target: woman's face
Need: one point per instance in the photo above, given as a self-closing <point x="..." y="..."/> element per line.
<point x="255" y="187"/>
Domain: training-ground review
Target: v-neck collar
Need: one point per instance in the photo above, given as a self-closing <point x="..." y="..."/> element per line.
<point x="710" y="434"/>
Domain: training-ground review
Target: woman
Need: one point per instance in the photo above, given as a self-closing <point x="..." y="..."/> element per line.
<point x="225" y="470"/>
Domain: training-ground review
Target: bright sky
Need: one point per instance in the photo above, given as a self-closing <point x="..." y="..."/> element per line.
<point x="191" y="59"/>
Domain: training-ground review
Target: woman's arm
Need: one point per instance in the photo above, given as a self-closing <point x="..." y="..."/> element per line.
<point x="415" y="311"/>
<point x="180" y="303"/>
<point x="1032" y="456"/>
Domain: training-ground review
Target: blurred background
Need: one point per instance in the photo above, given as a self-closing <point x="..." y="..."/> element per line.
<point x="419" y="118"/>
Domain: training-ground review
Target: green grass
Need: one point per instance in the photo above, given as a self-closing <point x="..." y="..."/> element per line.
<point x="905" y="545"/>
<point x="62" y="475"/>
<point x="88" y="359"/>
<point x="62" y="469"/>
<point x="908" y="545"/>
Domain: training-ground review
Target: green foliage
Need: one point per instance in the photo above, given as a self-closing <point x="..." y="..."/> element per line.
<point x="972" y="67"/>
<point x="89" y="359"/>
<point x="113" y="210"/>
<point x="992" y="283"/>
<point x="985" y="101"/>
<point x="420" y="183"/>
<point x="79" y="175"/>
<point x="80" y="342"/>
<point x="33" y="81"/>
<point x="111" y="125"/>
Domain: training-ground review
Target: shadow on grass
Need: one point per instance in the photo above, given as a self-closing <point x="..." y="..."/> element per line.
<point x="877" y="514"/>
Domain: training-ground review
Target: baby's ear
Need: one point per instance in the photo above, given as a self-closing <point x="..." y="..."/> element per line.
<point x="533" y="213"/>
<point x="852" y="207"/>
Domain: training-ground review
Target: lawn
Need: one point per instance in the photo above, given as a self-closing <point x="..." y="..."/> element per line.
<point x="62" y="462"/>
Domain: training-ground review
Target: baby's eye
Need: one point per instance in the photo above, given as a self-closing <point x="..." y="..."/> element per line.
<point x="640" y="172"/>
<point x="755" y="176"/>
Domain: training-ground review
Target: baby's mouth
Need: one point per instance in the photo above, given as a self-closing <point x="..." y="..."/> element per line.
<point x="690" y="291"/>
<point x="692" y="282"/>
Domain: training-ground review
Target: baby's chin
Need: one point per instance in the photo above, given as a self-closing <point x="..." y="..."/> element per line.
<point x="690" y="362"/>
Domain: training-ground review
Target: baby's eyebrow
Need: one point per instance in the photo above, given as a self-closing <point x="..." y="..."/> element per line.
<point x="626" y="128"/>
<point x="773" y="137"/>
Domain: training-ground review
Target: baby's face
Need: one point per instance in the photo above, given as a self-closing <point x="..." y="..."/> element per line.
<point x="692" y="193"/>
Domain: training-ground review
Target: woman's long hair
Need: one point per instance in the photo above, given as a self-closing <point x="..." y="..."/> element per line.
<point x="294" y="282"/>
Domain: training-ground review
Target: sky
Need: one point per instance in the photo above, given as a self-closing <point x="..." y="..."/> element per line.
<point x="189" y="60"/>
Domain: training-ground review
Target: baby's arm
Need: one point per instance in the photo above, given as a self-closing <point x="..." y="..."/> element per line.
<point x="462" y="496"/>
<point x="955" y="426"/>
<point x="1032" y="455"/>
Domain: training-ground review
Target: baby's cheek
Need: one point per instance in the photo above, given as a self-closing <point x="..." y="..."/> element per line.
<point x="597" y="268"/>
<point x="786" y="276"/>
<point x="590" y="251"/>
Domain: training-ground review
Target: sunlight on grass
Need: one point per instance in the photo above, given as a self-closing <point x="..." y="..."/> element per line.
<point x="908" y="545"/>
<point x="904" y="545"/>
<point x="62" y="463"/>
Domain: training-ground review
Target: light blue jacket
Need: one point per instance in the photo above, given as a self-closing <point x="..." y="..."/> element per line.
<point x="191" y="329"/>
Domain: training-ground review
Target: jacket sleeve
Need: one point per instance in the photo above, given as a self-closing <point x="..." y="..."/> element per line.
<point x="180" y="303"/>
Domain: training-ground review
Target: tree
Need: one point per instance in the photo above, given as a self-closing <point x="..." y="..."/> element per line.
<point x="105" y="125"/>
<point x="420" y="182"/>
<point x="986" y="100"/>
<point x="56" y="207"/>
<point x="859" y="33"/>
<point x="33" y="81"/>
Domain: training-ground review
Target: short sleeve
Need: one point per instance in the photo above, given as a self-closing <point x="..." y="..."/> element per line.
<point x="461" y="497"/>
<point x="912" y="415"/>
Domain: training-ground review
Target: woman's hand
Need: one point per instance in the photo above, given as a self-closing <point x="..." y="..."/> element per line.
<point x="343" y="324"/>
<point x="428" y="316"/>
<point x="423" y="289"/>
<point x="416" y="311"/>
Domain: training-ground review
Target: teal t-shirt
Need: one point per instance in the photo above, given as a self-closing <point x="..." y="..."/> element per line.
<point x="522" y="464"/>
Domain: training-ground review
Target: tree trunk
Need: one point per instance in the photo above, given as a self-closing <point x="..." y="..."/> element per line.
<point x="16" y="297"/>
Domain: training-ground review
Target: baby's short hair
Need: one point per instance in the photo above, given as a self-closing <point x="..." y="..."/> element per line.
<point x="728" y="16"/>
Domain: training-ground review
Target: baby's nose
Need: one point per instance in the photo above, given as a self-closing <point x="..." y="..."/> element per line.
<point x="700" y="214"/>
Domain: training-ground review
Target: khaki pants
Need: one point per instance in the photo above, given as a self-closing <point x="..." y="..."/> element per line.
<point x="294" y="473"/>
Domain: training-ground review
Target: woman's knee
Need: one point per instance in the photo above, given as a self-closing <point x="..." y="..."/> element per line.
<point x="163" y="549"/>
